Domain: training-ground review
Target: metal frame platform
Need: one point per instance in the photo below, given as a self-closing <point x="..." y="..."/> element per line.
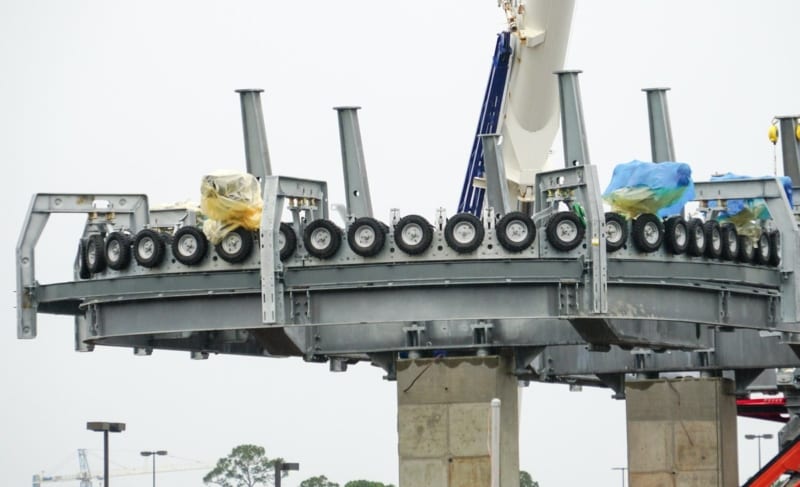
<point x="584" y="315"/>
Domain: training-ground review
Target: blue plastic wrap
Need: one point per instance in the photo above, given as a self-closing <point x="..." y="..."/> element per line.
<point x="745" y="213"/>
<point x="645" y="187"/>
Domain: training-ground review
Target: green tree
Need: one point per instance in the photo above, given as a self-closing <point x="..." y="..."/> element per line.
<point x="319" y="481"/>
<point x="366" y="483"/>
<point x="525" y="480"/>
<point x="245" y="466"/>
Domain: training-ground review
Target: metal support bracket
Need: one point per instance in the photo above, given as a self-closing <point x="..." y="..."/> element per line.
<point x="133" y="209"/>
<point x="277" y="189"/>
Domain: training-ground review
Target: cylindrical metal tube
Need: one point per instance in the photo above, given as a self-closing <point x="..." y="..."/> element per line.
<point x="495" y="442"/>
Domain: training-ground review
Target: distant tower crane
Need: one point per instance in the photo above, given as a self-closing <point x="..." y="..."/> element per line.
<point x="85" y="475"/>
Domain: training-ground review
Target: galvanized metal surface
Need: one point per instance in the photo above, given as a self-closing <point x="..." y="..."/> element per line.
<point x="661" y="145"/>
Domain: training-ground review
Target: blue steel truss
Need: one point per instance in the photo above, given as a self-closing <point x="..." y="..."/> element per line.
<point x="471" y="197"/>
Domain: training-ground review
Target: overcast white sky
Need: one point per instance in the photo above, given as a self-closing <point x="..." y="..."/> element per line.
<point x="110" y="96"/>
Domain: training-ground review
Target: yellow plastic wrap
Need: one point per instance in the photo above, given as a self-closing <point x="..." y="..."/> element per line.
<point x="746" y="223"/>
<point x="636" y="200"/>
<point x="230" y="200"/>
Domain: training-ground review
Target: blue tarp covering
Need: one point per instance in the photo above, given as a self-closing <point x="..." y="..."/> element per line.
<point x="746" y="214"/>
<point x="645" y="187"/>
<point x="756" y="208"/>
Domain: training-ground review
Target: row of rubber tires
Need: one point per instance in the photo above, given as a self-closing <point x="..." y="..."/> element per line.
<point x="322" y="238"/>
<point x="413" y="234"/>
<point x="693" y="237"/>
<point x="148" y="248"/>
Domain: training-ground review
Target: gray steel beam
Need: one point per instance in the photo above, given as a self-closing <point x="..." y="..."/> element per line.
<point x="790" y="147"/>
<point x="661" y="145"/>
<point x="497" y="194"/>
<point x="728" y="350"/>
<point x="573" y="129"/>
<point x="356" y="183"/>
<point x="256" y="150"/>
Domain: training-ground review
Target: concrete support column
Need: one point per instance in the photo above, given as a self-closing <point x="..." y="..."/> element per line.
<point x="443" y="421"/>
<point x="682" y="432"/>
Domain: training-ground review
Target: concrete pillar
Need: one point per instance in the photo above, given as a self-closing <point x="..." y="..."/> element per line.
<point x="682" y="432"/>
<point x="443" y="418"/>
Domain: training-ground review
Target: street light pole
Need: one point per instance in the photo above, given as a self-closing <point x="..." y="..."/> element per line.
<point x="153" y="454"/>
<point x="283" y="467"/>
<point x="106" y="428"/>
<point x="766" y="436"/>
<point x="622" y="471"/>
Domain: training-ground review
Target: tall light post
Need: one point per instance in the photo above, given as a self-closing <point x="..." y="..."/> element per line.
<point x="153" y="454"/>
<point x="283" y="467"/>
<point x="622" y="471"/>
<point x="106" y="428"/>
<point x="765" y="436"/>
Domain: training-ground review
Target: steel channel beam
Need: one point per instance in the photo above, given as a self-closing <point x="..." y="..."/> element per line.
<point x="740" y="349"/>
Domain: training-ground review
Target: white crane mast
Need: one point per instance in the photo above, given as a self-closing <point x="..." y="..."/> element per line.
<point x="530" y="115"/>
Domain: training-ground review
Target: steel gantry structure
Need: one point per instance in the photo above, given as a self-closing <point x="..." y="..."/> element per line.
<point x="551" y="288"/>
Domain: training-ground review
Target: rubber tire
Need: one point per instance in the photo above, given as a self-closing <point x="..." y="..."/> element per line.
<point x="378" y="229"/>
<point x="711" y="228"/>
<point x="240" y="255"/>
<point x="336" y="238"/>
<point x="95" y="244"/>
<point x="729" y="237"/>
<point x="551" y="231"/>
<point x="622" y="222"/>
<point x="464" y="247"/>
<point x="763" y="249"/>
<point x="747" y="250"/>
<point x="159" y="248"/>
<point x="696" y="246"/>
<point x="775" y="248"/>
<point x="200" y="250"/>
<point x="425" y="240"/>
<point x="81" y="267"/>
<point x="124" y="242"/>
<point x="502" y="227"/>
<point x="640" y="224"/>
<point x="290" y="241"/>
<point x="672" y="225"/>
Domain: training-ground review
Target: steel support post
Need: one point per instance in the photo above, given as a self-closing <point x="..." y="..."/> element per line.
<point x="356" y="184"/>
<point x="255" y="136"/>
<point x="790" y="148"/>
<point x="661" y="146"/>
<point x="495" y="171"/>
<point x="573" y="130"/>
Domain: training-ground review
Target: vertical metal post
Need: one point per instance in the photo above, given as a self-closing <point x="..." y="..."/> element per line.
<point x="790" y="148"/>
<point x="495" y="171"/>
<point x="661" y="146"/>
<point x="105" y="458"/>
<point x="255" y="135"/>
<point x="495" y="443"/>
<point x="356" y="184"/>
<point x="277" y="474"/>
<point x="573" y="130"/>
